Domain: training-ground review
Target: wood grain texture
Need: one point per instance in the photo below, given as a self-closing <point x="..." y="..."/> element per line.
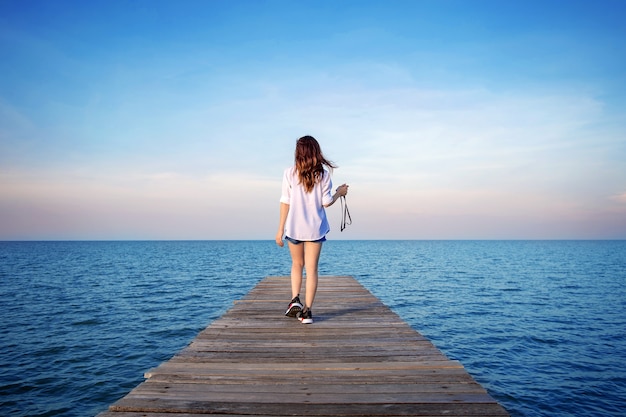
<point x="358" y="358"/>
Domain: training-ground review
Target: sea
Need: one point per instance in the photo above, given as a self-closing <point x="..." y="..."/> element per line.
<point x="540" y="324"/>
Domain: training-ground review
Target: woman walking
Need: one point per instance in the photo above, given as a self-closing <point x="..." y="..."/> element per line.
<point x="306" y="192"/>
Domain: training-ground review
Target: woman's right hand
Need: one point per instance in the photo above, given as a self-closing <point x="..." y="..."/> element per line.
<point x="342" y="190"/>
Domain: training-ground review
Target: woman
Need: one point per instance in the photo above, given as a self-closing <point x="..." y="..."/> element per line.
<point x="306" y="192"/>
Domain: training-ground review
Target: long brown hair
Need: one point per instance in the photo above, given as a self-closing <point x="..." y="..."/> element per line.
<point x="310" y="162"/>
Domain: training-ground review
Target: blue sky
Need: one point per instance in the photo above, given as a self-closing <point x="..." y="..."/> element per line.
<point x="449" y="119"/>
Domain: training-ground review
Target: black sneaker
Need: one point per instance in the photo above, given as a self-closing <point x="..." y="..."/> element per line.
<point x="294" y="307"/>
<point x="306" y="317"/>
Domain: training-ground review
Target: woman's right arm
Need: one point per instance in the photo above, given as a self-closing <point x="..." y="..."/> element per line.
<point x="342" y="190"/>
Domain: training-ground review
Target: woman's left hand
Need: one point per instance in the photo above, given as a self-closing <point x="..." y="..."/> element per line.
<point x="279" y="239"/>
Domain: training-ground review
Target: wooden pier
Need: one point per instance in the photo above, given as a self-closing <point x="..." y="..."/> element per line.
<point x="357" y="359"/>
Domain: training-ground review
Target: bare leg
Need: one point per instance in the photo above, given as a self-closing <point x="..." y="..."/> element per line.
<point x="297" y="264"/>
<point x="312" y="252"/>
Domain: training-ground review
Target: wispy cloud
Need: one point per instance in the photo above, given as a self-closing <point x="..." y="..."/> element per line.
<point x="183" y="131"/>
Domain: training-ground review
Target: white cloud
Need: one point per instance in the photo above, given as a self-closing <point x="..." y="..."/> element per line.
<point x="213" y="170"/>
<point x="620" y="198"/>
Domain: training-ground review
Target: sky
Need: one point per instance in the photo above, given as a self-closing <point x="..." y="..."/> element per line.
<point x="132" y="119"/>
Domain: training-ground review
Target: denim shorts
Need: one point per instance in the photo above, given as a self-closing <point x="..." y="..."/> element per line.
<point x="297" y="242"/>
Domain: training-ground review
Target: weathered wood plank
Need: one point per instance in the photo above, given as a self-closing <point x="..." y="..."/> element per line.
<point x="317" y="388"/>
<point x="244" y="407"/>
<point x="357" y="359"/>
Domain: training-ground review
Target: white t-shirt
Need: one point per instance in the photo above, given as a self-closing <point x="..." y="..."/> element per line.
<point x="306" y="219"/>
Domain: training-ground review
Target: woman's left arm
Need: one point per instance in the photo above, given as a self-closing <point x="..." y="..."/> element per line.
<point x="284" y="210"/>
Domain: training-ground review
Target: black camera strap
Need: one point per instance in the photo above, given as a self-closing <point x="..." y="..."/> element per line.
<point x="345" y="213"/>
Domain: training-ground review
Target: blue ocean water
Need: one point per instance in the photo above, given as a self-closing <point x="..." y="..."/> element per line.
<point x="540" y="324"/>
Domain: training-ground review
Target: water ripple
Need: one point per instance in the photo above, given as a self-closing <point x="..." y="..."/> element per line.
<point x="539" y="324"/>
